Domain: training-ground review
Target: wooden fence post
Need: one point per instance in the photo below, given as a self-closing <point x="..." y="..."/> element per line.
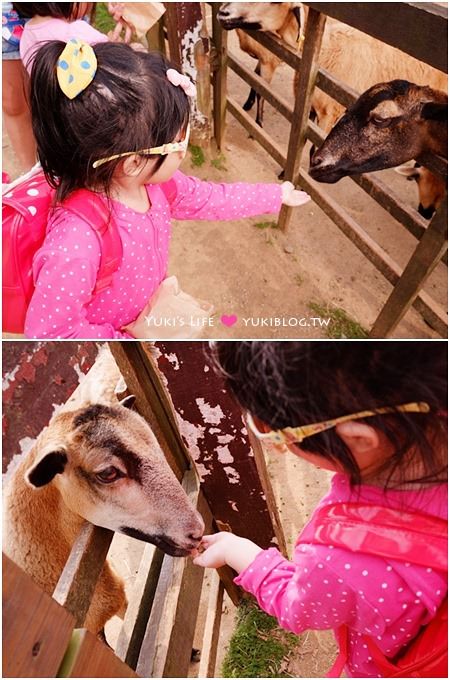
<point x="189" y="50"/>
<point x="313" y="40"/>
<point x="427" y="254"/>
<point x="220" y="39"/>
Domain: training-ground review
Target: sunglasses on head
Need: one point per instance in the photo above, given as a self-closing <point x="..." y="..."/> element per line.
<point x="295" y="435"/>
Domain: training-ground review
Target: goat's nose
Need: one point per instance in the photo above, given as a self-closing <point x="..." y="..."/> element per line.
<point x="196" y="535"/>
<point x="317" y="160"/>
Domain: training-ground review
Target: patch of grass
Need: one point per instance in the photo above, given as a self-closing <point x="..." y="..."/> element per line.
<point x="298" y="278"/>
<point x="197" y="155"/>
<point x="258" y="647"/>
<point x="219" y="162"/>
<point x="266" y="225"/>
<point x="341" y="325"/>
<point x="103" y="20"/>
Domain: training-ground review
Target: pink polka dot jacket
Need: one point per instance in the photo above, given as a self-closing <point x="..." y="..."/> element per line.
<point x="65" y="267"/>
<point x="325" y="586"/>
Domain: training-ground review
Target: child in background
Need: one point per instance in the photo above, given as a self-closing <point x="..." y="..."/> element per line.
<point x="396" y="460"/>
<point x="122" y="132"/>
<point x="54" y="21"/>
<point x="15" y="107"/>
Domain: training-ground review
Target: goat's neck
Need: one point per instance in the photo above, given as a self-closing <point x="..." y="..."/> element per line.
<point x="290" y="30"/>
<point x="436" y="139"/>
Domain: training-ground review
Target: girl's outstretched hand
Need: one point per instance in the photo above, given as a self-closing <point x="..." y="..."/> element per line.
<point x="292" y="196"/>
<point x="226" y="548"/>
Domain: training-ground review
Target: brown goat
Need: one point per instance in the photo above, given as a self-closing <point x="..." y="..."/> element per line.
<point x="390" y="123"/>
<point x="102" y="464"/>
<point x="431" y="187"/>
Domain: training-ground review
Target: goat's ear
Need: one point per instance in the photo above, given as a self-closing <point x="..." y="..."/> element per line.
<point x="46" y="468"/>
<point x="435" y="111"/>
<point x="408" y="171"/>
<point x="128" y="402"/>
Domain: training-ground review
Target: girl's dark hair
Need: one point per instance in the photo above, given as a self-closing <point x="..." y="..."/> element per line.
<point x="297" y="383"/>
<point x="130" y="105"/>
<point x="59" y="10"/>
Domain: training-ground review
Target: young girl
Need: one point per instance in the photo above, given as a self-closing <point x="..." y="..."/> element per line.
<point x="395" y="459"/>
<point x="122" y="133"/>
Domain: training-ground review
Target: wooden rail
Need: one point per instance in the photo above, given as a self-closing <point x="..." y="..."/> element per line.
<point x="423" y="35"/>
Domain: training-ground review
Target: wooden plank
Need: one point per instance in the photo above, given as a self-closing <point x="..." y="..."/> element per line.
<point x="429" y="309"/>
<point x="77" y="582"/>
<point x="220" y="39"/>
<point x="36" y="630"/>
<point x="171" y="25"/>
<point x="142" y="380"/>
<point x="211" y="425"/>
<point x="313" y="40"/>
<point x="261" y="87"/>
<point x="424" y="259"/>
<point x="212" y="629"/>
<point x="87" y="657"/>
<point x="290" y="55"/>
<point x="139" y="606"/>
<point x="226" y="574"/>
<point x="417" y="28"/>
<point x="258" y="133"/>
<point x="268" y="491"/>
<point x="167" y="644"/>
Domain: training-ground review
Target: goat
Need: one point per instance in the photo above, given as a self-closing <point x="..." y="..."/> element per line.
<point x="281" y="18"/>
<point x="103" y="464"/>
<point x="348" y="54"/>
<point x="389" y="124"/>
<point x="431" y="187"/>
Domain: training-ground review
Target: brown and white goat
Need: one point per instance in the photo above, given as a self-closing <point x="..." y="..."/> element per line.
<point x="281" y="18"/>
<point x="102" y="464"/>
<point x="389" y="124"/>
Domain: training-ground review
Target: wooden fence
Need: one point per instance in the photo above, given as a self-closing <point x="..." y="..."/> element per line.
<point x="41" y="636"/>
<point x="420" y="29"/>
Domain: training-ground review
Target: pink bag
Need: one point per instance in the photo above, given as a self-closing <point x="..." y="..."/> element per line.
<point x="26" y="209"/>
<point x="410" y="536"/>
<point x="27" y="204"/>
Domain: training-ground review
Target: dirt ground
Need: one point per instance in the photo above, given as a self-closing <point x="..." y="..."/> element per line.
<point x="261" y="273"/>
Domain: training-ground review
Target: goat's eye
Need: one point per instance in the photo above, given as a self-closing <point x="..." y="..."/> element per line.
<point x="109" y="475"/>
<point x="380" y="122"/>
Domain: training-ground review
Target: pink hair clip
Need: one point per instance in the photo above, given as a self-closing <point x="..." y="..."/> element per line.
<point x="179" y="80"/>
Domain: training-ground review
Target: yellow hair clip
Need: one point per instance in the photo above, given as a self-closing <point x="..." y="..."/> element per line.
<point x="76" y="67"/>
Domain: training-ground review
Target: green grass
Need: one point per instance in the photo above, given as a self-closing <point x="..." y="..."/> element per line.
<point x="103" y="21"/>
<point x="342" y="325"/>
<point x="219" y="162"/>
<point x="266" y="225"/>
<point x="258" y="647"/>
<point x="197" y="155"/>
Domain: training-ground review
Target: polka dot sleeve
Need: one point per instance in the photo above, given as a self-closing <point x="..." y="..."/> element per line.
<point x="209" y="201"/>
<point x="65" y="273"/>
<point x="303" y="594"/>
